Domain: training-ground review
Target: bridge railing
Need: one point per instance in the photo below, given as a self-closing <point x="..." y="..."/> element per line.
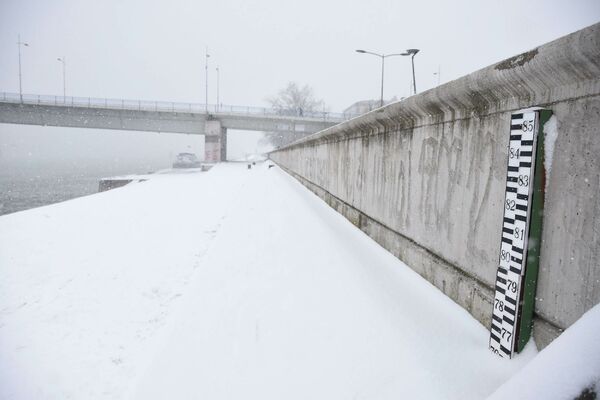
<point x="166" y="106"/>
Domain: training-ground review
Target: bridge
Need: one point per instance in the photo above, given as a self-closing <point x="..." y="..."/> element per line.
<point x="210" y="120"/>
<point x="241" y="282"/>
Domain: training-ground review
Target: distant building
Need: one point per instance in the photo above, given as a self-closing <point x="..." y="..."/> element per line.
<point x="364" y="106"/>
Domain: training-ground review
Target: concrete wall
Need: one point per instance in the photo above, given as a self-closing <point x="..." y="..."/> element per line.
<point x="425" y="178"/>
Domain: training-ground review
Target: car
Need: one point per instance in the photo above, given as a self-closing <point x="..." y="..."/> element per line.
<point x="187" y="160"/>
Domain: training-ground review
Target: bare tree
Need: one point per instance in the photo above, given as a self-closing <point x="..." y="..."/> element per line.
<point x="292" y="100"/>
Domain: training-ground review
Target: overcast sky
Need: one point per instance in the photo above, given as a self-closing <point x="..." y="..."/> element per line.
<point x="154" y="50"/>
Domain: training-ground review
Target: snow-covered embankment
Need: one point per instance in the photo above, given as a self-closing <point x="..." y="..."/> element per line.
<point x="229" y="284"/>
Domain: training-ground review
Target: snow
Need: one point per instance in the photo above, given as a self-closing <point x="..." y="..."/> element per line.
<point x="145" y="177"/>
<point x="550" y="136"/>
<point x="252" y="158"/>
<point x="570" y="364"/>
<point x="232" y="283"/>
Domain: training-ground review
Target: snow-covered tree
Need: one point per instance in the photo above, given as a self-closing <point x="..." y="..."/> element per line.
<point x="292" y="100"/>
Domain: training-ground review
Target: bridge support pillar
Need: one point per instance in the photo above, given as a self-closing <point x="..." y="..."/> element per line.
<point x="223" y="144"/>
<point x="212" y="149"/>
<point x="215" y="142"/>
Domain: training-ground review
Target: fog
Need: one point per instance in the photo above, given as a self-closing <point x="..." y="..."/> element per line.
<point x="155" y="50"/>
<point x="38" y="146"/>
<point x="377" y="260"/>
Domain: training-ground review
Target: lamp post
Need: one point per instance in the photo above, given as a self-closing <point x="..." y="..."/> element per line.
<point x="206" y="80"/>
<point x="19" y="44"/>
<point x="63" y="60"/>
<point x="218" y="89"/>
<point x="438" y="74"/>
<point x="412" y="52"/>
<point x="383" y="57"/>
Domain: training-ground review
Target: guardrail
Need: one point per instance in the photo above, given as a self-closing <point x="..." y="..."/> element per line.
<point x="165" y="106"/>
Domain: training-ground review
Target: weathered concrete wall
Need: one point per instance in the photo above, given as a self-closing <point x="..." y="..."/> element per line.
<point x="425" y="177"/>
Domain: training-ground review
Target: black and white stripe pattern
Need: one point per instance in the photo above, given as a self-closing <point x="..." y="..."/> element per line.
<point x="515" y="230"/>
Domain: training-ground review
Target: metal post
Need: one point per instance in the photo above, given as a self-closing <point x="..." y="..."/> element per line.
<point x="413" y="70"/>
<point x="382" y="56"/>
<point x="535" y="236"/>
<point x="217" y="88"/>
<point x="439" y="75"/>
<point x="63" y="60"/>
<point x="20" y="86"/>
<point x="19" y="44"/>
<point x="413" y="53"/>
<point x="65" y="76"/>
<point x="206" y="81"/>
<point x="382" y="64"/>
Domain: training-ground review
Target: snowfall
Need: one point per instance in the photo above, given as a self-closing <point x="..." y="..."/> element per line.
<point x="242" y="284"/>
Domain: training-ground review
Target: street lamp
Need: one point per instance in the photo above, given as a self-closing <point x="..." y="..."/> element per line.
<point x="19" y="44"/>
<point x="383" y="57"/>
<point x="438" y="74"/>
<point x="412" y="52"/>
<point x="63" y="60"/>
<point x="218" y="88"/>
<point x="206" y="80"/>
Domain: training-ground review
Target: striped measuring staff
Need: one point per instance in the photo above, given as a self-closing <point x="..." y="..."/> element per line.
<point x="509" y="289"/>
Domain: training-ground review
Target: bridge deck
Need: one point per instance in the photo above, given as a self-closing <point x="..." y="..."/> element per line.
<point x="229" y="284"/>
<point x="175" y="117"/>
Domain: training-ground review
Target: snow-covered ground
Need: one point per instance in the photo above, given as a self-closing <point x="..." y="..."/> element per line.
<point x="563" y="370"/>
<point x="228" y="284"/>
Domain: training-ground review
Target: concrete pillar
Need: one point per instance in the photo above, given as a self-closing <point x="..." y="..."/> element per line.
<point x="215" y="142"/>
<point x="212" y="149"/>
<point x="223" y="144"/>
